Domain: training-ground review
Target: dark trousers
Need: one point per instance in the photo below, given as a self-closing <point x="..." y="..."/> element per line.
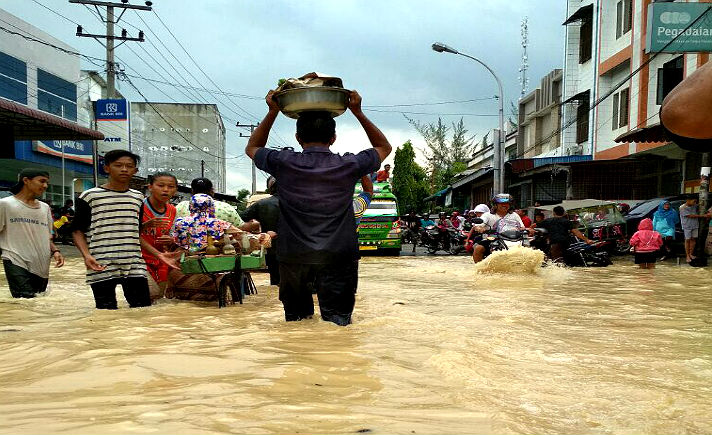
<point x="273" y="268"/>
<point x="335" y="286"/>
<point x="135" y="291"/>
<point x="23" y="283"/>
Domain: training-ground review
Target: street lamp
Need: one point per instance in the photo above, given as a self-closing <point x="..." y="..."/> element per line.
<point x="498" y="146"/>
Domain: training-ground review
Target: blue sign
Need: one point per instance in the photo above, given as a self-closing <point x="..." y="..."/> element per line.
<point x="111" y="110"/>
<point x="81" y="151"/>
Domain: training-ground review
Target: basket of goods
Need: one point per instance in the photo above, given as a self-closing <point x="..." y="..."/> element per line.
<point x="313" y="92"/>
<point x="222" y="256"/>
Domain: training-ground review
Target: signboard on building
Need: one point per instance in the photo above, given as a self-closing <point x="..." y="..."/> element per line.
<point x="671" y="23"/>
<point x="80" y="151"/>
<point x="111" y="110"/>
<point x="112" y="119"/>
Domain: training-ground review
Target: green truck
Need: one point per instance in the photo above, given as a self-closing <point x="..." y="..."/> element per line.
<point x="379" y="228"/>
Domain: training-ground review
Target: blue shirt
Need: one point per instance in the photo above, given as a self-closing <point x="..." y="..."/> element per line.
<point x="316" y="214"/>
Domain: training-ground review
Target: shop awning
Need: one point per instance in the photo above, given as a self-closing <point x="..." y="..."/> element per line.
<point x="438" y="194"/>
<point x="524" y="165"/>
<point x="472" y="176"/>
<point x="24" y="123"/>
<point x="582" y="13"/>
<point x="654" y="133"/>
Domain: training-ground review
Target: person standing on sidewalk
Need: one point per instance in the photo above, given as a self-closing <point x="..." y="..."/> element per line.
<point x="317" y="231"/>
<point x="26" y="235"/>
<point x="106" y="232"/>
<point x="689" y="220"/>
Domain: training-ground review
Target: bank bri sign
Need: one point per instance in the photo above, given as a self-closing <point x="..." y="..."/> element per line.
<point x="111" y="110"/>
<point x="670" y="21"/>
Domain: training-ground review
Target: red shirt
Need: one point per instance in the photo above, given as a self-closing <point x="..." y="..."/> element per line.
<point x="382" y="176"/>
<point x="158" y="269"/>
<point x="526" y="221"/>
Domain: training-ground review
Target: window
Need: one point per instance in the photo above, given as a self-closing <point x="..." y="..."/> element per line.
<point x="620" y="109"/>
<point x="624" y="17"/>
<point x="13" y="78"/>
<point x="582" y="119"/>
<point x="56" y="95"/>
<point x="585" y="38"/>
<point x="669" y="76"/>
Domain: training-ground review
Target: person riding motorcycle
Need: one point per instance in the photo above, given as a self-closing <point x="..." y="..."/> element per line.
<point x="456" y="220"/>
<point x="474" y="236"/>
<point x="502" y="218"/>
<point x="444" y="226"/>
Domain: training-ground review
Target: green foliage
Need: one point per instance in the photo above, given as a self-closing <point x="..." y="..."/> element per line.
<point x="446" y="157"/>
<point x="410" y="184"/>
<point x="242" y="195"/>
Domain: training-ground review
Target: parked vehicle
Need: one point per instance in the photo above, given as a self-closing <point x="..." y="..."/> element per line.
<point x="379" y="229"/>
<point x="600" y="221"/>
<point x="647" y="209"/>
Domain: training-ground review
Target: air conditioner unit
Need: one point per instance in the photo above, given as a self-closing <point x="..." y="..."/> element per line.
<point x="574" y="150"/>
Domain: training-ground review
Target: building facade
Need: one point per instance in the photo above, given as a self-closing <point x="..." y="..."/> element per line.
<point x="38" y="76"/>
<point x="540" y="119"/>
<point x="187" y="140"/>
<point x="613" y="84"/>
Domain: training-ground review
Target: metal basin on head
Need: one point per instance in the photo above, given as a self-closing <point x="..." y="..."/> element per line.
<point x="293" y="102"/>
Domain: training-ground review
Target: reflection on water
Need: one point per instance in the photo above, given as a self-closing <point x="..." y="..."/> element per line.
<point x="435" y="348"/>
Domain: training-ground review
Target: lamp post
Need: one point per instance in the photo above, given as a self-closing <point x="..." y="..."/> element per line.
<point x="498" y="146"/>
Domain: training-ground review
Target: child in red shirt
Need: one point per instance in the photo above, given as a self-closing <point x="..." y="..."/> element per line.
<point x="157" y="218"/>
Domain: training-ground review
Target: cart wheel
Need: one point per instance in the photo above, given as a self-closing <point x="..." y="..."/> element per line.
<point x="228" y="291"/>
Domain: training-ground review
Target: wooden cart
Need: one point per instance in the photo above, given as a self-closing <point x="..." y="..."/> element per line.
<point x="234" y="270"/>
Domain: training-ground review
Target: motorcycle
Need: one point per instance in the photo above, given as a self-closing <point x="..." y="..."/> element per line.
<point x="435" y="239"/>
<point x="578" y="254"/>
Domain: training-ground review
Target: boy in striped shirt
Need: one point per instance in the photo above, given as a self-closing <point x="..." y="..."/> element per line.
<point x="106" y="232"/>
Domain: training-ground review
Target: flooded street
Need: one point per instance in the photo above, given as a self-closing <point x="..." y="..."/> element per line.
<point x="434" y="348"/>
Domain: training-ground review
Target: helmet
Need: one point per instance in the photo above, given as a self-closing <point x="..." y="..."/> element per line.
<point x="502" y="198"/>
<point x="482" y="208"/>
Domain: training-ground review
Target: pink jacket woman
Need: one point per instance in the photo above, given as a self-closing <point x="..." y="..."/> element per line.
<point x="645" y="239"/>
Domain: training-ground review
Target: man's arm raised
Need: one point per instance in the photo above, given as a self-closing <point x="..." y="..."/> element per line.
<point x="377" y="139"/>
<point x="258" y="138"/>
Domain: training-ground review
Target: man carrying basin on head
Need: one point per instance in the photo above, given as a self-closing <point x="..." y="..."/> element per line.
<point x="502" y="218"/>
<point x="317" y="230"/>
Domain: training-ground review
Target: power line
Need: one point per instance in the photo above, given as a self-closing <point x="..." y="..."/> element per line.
<point x="430" y="113"/>
<point x="431" y="104"/>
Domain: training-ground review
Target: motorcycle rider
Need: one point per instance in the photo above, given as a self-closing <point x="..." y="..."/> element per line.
<point x="456" y="220"/>
<point x="475" y="236"/>
<point x="559" y="229"/>
<point x="444" y="227"/>
<point x="501" y="219"/>
<point x="413" y="224"/>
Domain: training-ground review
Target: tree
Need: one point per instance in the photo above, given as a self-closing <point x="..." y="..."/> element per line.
<point x="242" y="195"/>
<point x="410" y="184"/>
<point x="442" y="154"/>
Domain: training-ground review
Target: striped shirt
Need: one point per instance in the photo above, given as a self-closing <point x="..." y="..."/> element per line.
<point x="109" y="219"/>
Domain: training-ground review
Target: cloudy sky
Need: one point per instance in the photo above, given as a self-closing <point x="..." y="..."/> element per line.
<point x="380" y="48"/>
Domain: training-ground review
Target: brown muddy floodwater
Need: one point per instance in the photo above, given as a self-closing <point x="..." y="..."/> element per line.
<point x="435" y="349"/>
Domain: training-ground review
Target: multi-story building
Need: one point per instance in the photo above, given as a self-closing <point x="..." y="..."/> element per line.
<point x="614" y="84"/>
<point x="185" y="139"/>
<point x="39" y="75"/>
<point x="540" y="119"/>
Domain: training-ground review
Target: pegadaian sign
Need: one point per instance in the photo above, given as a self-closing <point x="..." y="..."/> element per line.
<point x="670" y="27"/>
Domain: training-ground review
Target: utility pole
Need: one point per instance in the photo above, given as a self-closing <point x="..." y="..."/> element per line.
<point x="110" y="37"/>
<point x="254" y="168"/>
<point x="202" y="169"/>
